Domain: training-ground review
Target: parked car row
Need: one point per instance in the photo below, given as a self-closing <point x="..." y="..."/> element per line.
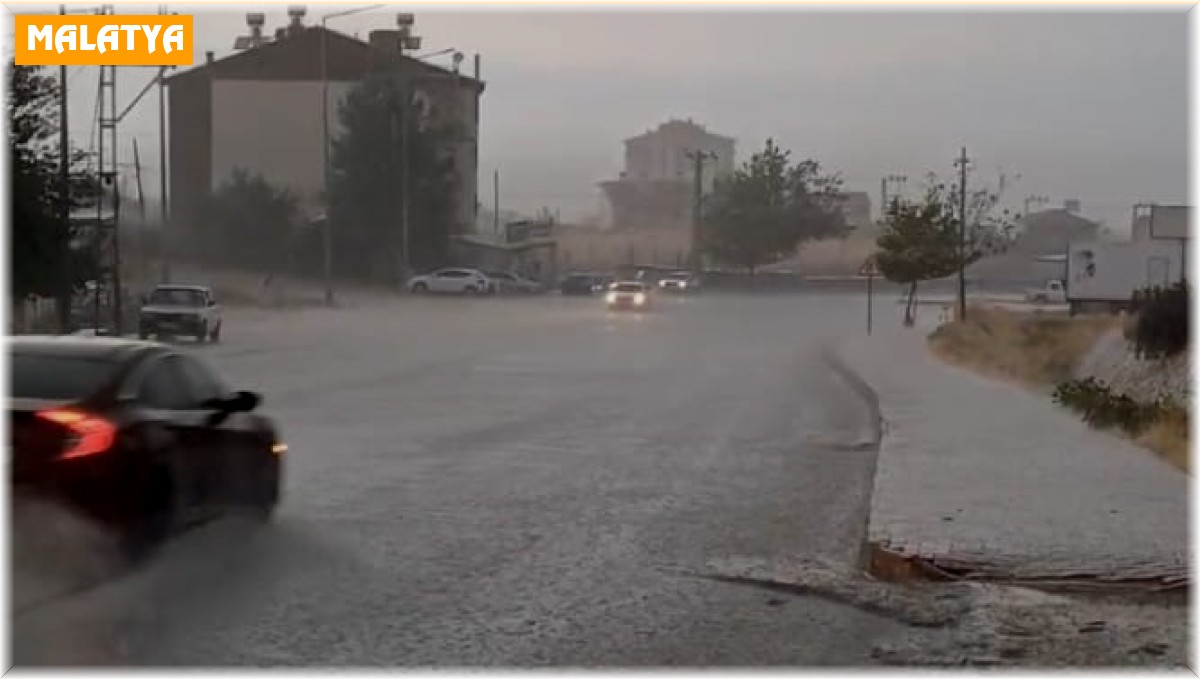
<point x="461" y="281"/>
<point x="467" y="281"/>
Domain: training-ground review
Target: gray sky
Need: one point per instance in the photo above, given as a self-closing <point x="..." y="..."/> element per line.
<point x="1082" y="105"/>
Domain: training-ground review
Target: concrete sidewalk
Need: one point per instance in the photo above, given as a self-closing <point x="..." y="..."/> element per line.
<point x="989" y="476"/>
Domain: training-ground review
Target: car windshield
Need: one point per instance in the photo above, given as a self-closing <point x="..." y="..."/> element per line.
<point x="58" y="378"/>
<point x="177" y="297"/>
<point x="629" y="287"/>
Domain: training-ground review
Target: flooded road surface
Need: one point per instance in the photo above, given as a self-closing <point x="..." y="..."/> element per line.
<point x="513" y="482"/>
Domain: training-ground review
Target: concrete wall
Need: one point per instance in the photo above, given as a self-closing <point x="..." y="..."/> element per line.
<point x="580" y="250"/>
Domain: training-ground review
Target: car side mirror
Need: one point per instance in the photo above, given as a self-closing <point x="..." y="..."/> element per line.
<point x="244" y="401"/>
<point x="238" y="402"/>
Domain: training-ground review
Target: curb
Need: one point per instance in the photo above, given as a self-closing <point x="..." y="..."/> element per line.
<point x="860" y="387"/>
<point x="869" y="557"/>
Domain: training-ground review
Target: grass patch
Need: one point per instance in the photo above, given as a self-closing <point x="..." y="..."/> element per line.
<point x="1038" y="350"/>
<point x="1168" y="436"/>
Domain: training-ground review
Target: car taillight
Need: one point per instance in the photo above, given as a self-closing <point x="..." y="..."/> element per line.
<point x="90" y="434"/>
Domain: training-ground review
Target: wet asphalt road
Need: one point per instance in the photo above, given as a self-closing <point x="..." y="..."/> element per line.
<point x="515" y="482"/>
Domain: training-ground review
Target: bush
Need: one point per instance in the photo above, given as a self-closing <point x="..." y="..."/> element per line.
<point x="1104" y="409"/>
<point x="1162" y="326"/>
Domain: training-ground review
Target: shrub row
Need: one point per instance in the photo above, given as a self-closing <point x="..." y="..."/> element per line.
<point x="1102" y="408"/>
<point x="1162" y="326"/>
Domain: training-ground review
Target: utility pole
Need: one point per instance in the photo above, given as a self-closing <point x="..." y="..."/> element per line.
<point x="144" y="252"/>
<point x="405" y="191"/>
<point x="163" y="228"/>
<point x="137" y="176"/>
<point x="698" y="158"/>
<point x="327" y="233"/>
<point x="962" y="235"/>
<point x="64" y="198"/>
<point x="109" y="247"/>
<point x="399" y="133"/>
<point x="496" y="201"/>
<point x="406" y="41"/>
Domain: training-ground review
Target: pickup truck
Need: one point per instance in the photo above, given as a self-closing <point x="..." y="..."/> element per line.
<point x="1053" y="293"/>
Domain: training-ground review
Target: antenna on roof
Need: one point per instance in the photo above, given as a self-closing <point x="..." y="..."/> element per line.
<point x="255" y="21"/>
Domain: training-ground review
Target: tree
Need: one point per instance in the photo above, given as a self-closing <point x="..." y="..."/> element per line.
<point x="921" y="241"/>
<point x="366" y="188"/>
<point x="249" y="223"/>
<point x="769" y="207"/>
<point x="39" y="245"/>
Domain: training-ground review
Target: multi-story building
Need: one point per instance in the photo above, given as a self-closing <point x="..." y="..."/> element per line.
<point x="260" y="110"/>
<point x="663" y="153"/>
<point x="656" y="189"/>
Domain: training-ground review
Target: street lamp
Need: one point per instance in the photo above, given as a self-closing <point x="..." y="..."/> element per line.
<point x="328" y="234"/>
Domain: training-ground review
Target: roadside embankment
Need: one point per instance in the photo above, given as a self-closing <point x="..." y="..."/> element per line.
<point x="1088" y="363"/>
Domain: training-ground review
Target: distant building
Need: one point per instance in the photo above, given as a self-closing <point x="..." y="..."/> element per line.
<point x="1160" y="221"/>
<point x="656" y="189"/>
<point x="856" y="208"/>
<point x="663" y="153"/>
<point x="1025" y="264"/>
<point x="1050" y="231"/>
<point x="260" y="109"/>
<point x="585" y="249"/>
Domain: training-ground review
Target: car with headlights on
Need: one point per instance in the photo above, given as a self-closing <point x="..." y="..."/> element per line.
<point x="142" y="439"/>
<point x="628" y="295"/>
<point x="180" y="310"/>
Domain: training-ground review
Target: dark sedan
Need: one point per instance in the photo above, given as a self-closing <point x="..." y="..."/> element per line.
<point x="141" y="438"/>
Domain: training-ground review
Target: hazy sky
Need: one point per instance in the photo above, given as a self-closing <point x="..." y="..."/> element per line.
<point x="1090" y="106"/>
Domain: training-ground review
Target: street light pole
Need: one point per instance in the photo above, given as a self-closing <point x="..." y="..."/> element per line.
<point x="66" y="286"/>
<point x="328" y="228"/>
<point x="407" y="41"/>
<point x="962" y="235"/>
<point x="698" y="158"/>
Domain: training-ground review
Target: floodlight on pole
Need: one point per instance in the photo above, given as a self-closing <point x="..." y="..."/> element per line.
<point x="328" y="229"/>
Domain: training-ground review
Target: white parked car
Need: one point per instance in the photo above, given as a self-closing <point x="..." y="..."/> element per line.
<point x="174" y="310"/>
<point x="451" y="281"/>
